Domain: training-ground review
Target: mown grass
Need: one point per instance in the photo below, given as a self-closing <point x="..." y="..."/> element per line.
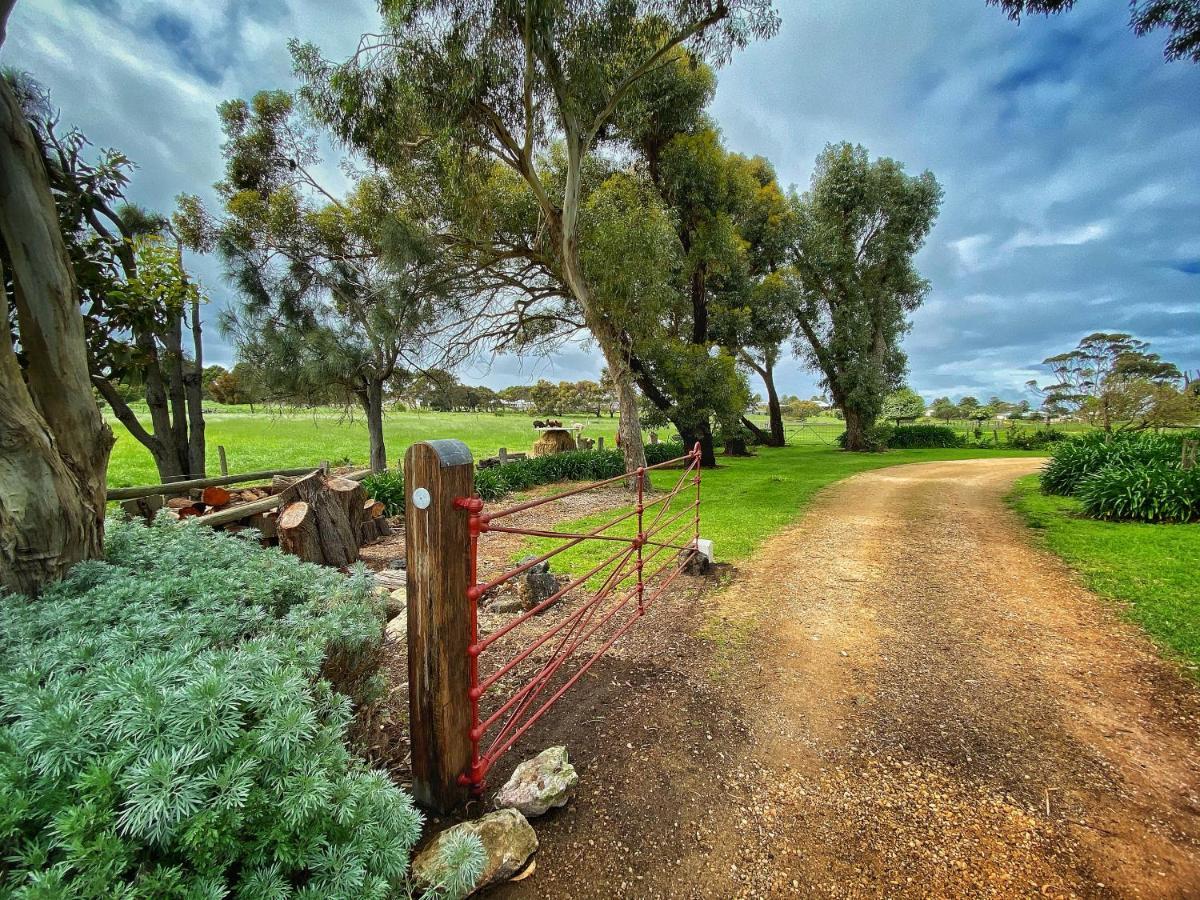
<point x="745" y="500"/>
<point x="1153" y="569"/>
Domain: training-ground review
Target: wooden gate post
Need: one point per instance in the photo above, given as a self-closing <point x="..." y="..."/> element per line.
<point x="437" y="546"/>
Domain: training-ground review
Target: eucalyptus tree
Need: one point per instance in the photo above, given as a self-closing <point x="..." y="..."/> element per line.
<point x="141" y="309"/>
<point x="338" y="291"/>
<point x="502" y="83"/>
<point x="54" y="440"/>
<point x="859" y="226"/>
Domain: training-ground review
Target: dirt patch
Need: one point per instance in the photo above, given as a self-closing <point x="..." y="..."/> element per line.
<point x="899" y="696"/>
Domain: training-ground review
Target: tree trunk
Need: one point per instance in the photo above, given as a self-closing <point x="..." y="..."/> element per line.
<point x="371" y="398"/>
<point x="702" y="435"/>
<point x="194" y="386"/>
<point x="857" y="428"/>
<point x="778" y="438"/>
<point x="760" y="436"/>
<point x="736" y="446"/>
<point x="54" y="444"/>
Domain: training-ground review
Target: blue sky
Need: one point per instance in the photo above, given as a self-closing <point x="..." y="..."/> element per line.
<point x="1067" y="148"/>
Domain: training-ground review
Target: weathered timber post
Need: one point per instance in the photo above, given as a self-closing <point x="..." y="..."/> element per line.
<point x="503" y="455"/>
<point x="600" y="442"/>
<point x="439" y="621"/>
<point x="224" y="462"/>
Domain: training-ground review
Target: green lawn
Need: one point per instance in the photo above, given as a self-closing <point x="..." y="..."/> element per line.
<point x="266" y="440"/>
<point x="1154" y="569"/>
<point x="745" y="500"/>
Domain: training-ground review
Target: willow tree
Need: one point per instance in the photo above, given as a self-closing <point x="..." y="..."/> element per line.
<point x="503" y="82"/>
<point x="54" y="445"/>
<point x="859" y="226"/>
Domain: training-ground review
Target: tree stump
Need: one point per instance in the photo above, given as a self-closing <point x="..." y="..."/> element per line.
<point x="297" y="529"/>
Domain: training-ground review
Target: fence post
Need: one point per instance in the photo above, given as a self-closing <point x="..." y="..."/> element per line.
<point x="600" y="442"/>
<point x="223" y="461"/>
<point x="503" y="455"/>
<point x="436" y="544"/>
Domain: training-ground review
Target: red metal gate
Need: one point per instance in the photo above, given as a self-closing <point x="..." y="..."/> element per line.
<point x="624" y="586"/>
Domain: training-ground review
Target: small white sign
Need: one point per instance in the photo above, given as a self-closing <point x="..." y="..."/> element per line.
<point x="421" y="498"/>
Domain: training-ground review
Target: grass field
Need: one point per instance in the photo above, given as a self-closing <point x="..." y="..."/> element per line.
<point x="1153" y="569"/>
<point x="267" y="440"/>
<point x="745" y="500"/>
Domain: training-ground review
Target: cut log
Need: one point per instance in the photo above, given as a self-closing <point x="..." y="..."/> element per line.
<point x="336" y="530"/>
<point x="266" y="523"/>
<point x="215" y="496"/>
<point x="373" y="509"/>
<point x="181" y="503"/>
<point x="143" y="507"/>
<point x="239" y="512"/>
<point x="188" y="512"/>
<point x="298" y="532"/>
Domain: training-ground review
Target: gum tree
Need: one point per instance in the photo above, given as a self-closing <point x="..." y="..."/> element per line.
<point x="503" y="83"/>
<point x="54" y="444"/>
<point x="860" y="225"/>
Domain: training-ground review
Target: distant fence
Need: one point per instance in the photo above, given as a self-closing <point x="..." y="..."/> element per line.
<point x="999" y="431"/>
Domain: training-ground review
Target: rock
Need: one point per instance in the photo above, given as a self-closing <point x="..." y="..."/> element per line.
<point x="395" y="604"/>
<point x="543" y="566"/>
<point x="399" y="562"/>
<point x="508" y="841"/>
<point x="535" y="587"/>
<point x="507" y="604"/>
<point x="697" y="563"/>
<point x="397" y="629"/>
<point x="539" y="784"/>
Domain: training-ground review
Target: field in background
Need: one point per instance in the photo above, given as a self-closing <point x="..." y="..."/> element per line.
<point x="267" y="439"/>
<point x="1151" y="568"/>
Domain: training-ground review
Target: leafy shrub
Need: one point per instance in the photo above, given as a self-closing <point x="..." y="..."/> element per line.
<point x="1074" y="460"/>
<point x="1153" y="492"/>
<point x="522" y="474"/>
<point x="1036" y="440"/>
<point x="388" y="487"/>
<point x="168" y="729"/>
<point x="876" y="439"/>
<point x="914" y="437"/>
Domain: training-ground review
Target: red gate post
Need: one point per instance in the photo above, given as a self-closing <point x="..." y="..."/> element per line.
<point x="436" y="542"/>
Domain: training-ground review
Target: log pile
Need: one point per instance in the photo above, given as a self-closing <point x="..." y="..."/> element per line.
<point x="320" y="517"/>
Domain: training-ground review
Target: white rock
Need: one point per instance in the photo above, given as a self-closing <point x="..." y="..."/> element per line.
<point x="539" y="784"/>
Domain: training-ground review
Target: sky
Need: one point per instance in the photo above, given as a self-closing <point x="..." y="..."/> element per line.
<point x="1068" y="149"/>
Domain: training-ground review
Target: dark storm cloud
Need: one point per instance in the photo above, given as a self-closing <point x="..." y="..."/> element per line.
<point x="1066" y="147"/>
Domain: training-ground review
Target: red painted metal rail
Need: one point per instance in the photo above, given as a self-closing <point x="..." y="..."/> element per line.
<point x="622" y="598"/>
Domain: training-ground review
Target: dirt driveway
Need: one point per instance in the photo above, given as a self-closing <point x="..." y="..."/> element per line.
<point x="899" y="696"/>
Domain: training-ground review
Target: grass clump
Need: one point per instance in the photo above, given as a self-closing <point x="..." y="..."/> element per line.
<point x="173" y="723"/>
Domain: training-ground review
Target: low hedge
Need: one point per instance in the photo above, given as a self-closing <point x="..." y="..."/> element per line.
<point x="908" y="437"/>
<point x="522" y="474"/>
<point x="173" y="723"/>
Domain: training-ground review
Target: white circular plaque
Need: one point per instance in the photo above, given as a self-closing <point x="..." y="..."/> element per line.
<point x="421" y="498"/>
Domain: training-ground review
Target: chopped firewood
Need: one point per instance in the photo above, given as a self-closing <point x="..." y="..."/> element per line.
<point x="373" y="509"/>
<point x="215" y="497"/>
<point x="188" y="512"/>
<point x="180" y="503"/>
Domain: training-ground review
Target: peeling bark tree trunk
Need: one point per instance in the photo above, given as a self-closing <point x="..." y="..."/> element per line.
<point x="54" y="444"/>
<point x="857" y="427"/>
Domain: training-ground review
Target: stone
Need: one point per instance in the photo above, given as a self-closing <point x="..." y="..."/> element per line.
<point x="535" y="587"/>
<point x="399" y="562"/>
<point x="397" y="629"/>
<point x="508" y="841"/>
<point x="543" y="566"/>
<point x="510" y="603"/>
<point x="540" y="784"/>
<point x="395" y="603"/>
<point x="696" y="563"/>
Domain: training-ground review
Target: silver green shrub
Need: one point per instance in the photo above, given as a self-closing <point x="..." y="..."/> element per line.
<point x="167" y="730"/>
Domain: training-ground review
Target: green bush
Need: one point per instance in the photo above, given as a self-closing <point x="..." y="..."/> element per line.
<point x="920" y="437"/>
<point x="1152" y="492"/>
<point x="1021" y="439"/>
<point x="387" y="487"/>
<point x="522" y="474"/>
<point x="907" y="437"/>
<point x="173" y="723"/>
<point x="1074" y="460"/>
